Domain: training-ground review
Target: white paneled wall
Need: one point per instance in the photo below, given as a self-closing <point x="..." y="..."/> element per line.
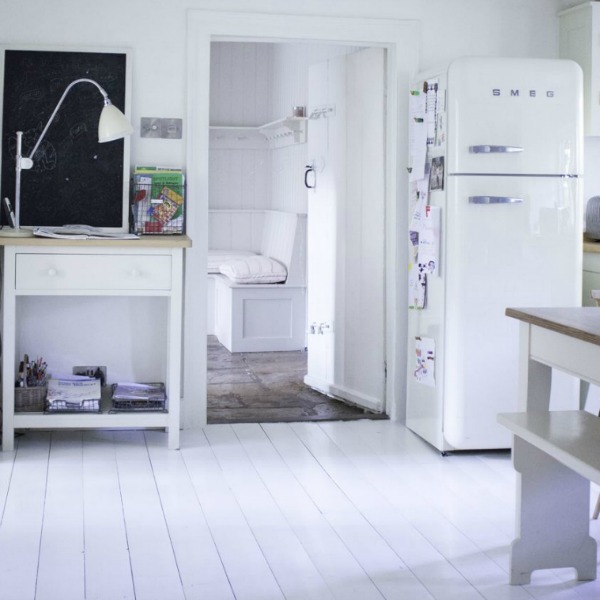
<point x="253" y="84"/>
<point x="290" y="72"/>
<point x="235" y="229"/>
<point x="240" y="83"/>
<point x="239" y="179"/>
<point x="239" y="96"/>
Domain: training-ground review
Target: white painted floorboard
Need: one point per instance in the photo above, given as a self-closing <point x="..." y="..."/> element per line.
<point x="354" y="510"/>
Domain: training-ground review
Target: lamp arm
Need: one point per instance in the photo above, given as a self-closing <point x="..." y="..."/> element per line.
<point x="27" y="163"/>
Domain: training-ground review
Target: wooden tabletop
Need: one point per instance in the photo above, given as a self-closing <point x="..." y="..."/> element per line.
<point x="578" y="322"/>
<point x="144" y="241"/>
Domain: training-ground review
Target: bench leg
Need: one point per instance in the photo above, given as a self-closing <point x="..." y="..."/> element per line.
<point x="552" y="529"/>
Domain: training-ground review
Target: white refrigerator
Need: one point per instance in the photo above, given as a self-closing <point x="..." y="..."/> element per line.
<point x="509" y="134"/>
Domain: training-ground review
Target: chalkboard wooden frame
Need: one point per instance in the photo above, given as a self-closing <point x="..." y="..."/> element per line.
<point x="75" y="179"/>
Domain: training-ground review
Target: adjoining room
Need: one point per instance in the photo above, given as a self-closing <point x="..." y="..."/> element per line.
<point x="295" y="150"/>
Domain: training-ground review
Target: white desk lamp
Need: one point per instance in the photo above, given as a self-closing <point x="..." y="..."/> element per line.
<point x="113" y="125"/>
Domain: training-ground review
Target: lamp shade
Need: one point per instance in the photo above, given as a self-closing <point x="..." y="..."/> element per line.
<point x="113" y="124"/>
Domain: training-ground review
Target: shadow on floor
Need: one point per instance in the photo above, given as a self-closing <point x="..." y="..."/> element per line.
<point x="267" y="387"/>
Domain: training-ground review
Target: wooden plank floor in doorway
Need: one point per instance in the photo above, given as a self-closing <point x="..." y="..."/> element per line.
<point x="267" y="387"/>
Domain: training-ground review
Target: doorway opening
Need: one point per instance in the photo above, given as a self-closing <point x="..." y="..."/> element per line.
<point x="401" y="40"/>
<point x="256" y="83"/>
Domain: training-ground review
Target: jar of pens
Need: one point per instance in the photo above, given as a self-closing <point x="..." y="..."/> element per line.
<point x="31" y="386"/>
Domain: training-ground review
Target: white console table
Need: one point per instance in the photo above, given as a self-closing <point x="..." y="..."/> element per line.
<point x="555" y="453"/>
<point x="149" y="266"/>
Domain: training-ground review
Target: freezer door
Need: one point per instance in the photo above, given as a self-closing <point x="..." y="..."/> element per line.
<point x="515" y="116"/>
<point x="520" y="253"/>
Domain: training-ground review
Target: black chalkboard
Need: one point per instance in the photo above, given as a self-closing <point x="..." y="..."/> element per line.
<point x="74" y="179"/>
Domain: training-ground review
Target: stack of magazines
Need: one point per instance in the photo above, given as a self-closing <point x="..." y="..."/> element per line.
<point x="138" y="396"/>
<point x="73" y="394"/>
<point x="158" y="202"/>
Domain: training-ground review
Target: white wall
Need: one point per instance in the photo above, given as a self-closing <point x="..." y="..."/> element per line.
<point x="156" y="32"/>
<point x="591" y="169"/>
<point x="253" y="84"/>
<point x="240" y="84"/>
<point x="239" y="179"/>
<point x="290" y="72"/>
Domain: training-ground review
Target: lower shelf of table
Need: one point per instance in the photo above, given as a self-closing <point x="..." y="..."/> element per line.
<point x="90" y="420"/>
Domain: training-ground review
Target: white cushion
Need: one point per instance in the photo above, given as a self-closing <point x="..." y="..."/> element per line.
<point x="217" y="257"/>
<point x="254" y="269"/>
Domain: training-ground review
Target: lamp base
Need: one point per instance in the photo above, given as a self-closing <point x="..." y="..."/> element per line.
<point x="10" y="232"/>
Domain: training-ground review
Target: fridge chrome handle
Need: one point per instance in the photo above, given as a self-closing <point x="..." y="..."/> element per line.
<point x="487" y="149"/>
<point x="494" y="200"/>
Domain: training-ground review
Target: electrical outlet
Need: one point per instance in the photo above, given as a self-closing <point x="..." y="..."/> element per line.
<point x="92" y="371"/>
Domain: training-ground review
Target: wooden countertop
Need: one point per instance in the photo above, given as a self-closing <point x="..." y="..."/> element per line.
<point x="144" y="241"/>
<point x="578" y="322"/>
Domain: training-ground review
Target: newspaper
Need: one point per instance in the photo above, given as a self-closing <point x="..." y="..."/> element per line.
<point x="82" y="232"/>
<point x="139" y="391"/>
<point x="74" y="390"/>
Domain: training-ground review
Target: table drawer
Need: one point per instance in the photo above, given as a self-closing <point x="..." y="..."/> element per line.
<point x="121" y="272"/>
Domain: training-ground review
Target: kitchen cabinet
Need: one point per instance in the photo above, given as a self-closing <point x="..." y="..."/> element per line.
<point x="591" y="272"/>
<point x="580" y="41"/>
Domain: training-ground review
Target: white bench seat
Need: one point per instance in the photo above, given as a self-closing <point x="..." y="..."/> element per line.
<point x="557" y="454"/>
<point x="259" y="317"/>
<point x="264" y="317"/>
<point x="571" y="437"/>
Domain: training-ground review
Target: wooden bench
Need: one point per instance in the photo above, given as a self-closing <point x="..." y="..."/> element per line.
<point x="557" y="454"/>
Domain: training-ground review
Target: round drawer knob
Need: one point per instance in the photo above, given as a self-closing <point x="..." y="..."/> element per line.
<point x="52" y="272"/>
<point x="135" y="273"/>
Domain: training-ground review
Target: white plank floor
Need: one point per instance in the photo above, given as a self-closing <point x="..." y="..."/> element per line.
<point x="341" y="510"/>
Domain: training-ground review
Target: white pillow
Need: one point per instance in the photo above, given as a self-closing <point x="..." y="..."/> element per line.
<point x="254" y="269"/>
<point x="217" y="257"/>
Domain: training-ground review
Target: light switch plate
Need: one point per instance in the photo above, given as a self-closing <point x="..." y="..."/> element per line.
<point x="151" y="127"/>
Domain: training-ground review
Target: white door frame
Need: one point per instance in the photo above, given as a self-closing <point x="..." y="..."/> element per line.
<point x="401" y="39"/>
